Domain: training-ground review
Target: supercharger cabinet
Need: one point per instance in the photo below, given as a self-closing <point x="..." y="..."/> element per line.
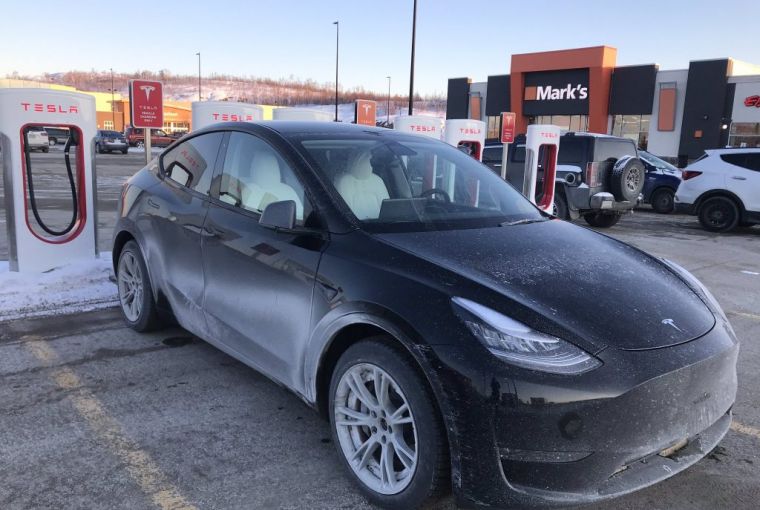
<point x="49" y="192"/>
<point x="420" y="125"/>
<point x="541" y="151"/>
<point x="467" y="135"/>
<point x="301" y="114"/>
<point x="206" y="113"/>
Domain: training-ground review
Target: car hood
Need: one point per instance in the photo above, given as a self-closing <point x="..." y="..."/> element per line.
<point x="601" y="290"/>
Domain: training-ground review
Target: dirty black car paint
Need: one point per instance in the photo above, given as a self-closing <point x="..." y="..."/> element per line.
<point x="278" y="300"/>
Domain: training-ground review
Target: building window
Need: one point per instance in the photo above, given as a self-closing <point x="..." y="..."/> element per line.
<point x="108" y="125"/>
<point x="744" y="134"/>
<point x="493" y="126"/>
<point x="635" y="127"/>
<point x="578" y="123"/>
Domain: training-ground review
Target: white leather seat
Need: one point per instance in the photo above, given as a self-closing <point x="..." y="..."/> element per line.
<point x="265" y="185"/>
<point x="362" y="190"/>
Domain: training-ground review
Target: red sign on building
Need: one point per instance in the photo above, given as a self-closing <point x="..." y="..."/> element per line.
<point x="507" y="127"/>
<point x="146" y="99"/>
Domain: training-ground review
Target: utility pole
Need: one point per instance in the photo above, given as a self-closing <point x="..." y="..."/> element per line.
<point x="411" y="72"/>
<point x="113" y="112"/>
<point x="337" y="47"/>
<point x="388" y="108"/>
<point x="199" y="76"/>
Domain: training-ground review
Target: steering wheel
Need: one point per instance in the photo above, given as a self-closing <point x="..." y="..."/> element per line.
<point x="436" y="191"/>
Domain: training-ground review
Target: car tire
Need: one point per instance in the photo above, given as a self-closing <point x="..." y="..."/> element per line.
<point x="135" y="290"/>
<point x="663" y="200"/>
<point x="718" y="214"/>
<point x="422" y="455"/>
<point x="560" y="205"/>
<point x="627" y="179"/>
<point x="600" y="220"/>
<point x="98" y="148"/>
<point x="45" y="149"/>
<point x="140" y="144"/>
<point x="124" y="151"/>
<point x="52" y="142"/>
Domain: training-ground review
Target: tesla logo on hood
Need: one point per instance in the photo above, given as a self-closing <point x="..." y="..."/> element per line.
<point x="147" y="89"/>
<point x="671" y="322"/>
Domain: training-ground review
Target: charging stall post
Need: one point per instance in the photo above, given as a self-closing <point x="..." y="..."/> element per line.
<point x="507" y="137"/>
<point x="466" y="134"/>
<point x="38" y="240"/>
<point x="541" y="150"/>
<point x="206" y="113"/>
<point x="146" y="101"/>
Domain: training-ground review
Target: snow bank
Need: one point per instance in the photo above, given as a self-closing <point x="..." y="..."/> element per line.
<point x="72" y="288"/>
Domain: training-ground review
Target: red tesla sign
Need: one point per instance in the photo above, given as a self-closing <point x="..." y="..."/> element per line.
<point x="752" y="101"/>
<point x="146" y="99"/>
<point x="507" y="127"/>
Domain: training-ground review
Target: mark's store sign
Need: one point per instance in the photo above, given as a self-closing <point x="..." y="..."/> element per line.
<point x="556" y="93"/>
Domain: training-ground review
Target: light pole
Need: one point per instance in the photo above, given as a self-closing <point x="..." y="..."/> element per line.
<point x="199" y="75"/>
<point x="388" y="108"/>
<point x="337" y="46"/>
<point x="411" y="72"/>
<point x="113" y="112"/>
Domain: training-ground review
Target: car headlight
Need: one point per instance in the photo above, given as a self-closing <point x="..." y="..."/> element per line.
<point x="521" y="345"/>
<point x="699" y="288"/>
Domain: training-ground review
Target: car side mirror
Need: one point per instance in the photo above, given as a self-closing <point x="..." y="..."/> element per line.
<point x="279" y="215"/>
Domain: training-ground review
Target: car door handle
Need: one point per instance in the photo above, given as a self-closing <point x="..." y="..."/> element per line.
<point x="212" y="232"/>
<point x="153" y="204"/>
<point x="736" y="177"/>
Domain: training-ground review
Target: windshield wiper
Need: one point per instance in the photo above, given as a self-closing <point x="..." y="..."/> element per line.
<point x="523" y="221"/>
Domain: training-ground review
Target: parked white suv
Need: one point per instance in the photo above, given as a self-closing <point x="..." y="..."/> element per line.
<point x="722" y="188"/>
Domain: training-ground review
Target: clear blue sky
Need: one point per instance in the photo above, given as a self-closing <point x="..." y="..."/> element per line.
<point x="280" y="38"/>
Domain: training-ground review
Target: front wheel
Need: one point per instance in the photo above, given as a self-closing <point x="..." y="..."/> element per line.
<point x="719" y="214"/>
<point x="560" y="206"/>
<point x="135" y="291"/>
<point x="662" y="201"/>
<point x="140" y="144"/>
<point x="600" y="220"/>
<point x="386" y="426"/>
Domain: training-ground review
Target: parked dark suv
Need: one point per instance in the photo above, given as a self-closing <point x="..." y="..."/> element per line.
<point x="599" y="177"/>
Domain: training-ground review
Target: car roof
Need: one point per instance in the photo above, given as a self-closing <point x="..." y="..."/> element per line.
<point x="732" y="150"/>
<point x="292" y="128"/>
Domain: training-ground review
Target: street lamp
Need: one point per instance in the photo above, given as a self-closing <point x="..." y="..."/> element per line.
<point x="337" y="42"/>
<point x="411" y="72"/>
<point x="199" y="75"/>
<point x="113" y="112"/>
<point x="388" y="108"/>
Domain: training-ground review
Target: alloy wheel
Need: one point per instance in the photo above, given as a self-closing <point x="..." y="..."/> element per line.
<point x="130" y="286"/>
<point x="376" y="429"/>
<point x="632" y="180"/>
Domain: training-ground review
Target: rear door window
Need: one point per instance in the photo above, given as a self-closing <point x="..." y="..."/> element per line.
<point x="572" y="151"/>
<point x="191" y="163"/>
<point x="607" y="149"/>
<point x="750" y="161"/>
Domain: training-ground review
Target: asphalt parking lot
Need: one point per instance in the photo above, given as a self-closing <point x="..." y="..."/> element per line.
<point x="93" y="415"/>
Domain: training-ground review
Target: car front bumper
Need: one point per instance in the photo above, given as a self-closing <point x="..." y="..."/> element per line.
<point x="529" y="439"/>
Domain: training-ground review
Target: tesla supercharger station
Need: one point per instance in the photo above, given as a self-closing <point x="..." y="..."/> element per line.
<point x="420" y="125"/>
<point x="466" y="134"/>
<point x="40" y="239"/>
<point x="301" y="114"/>
<point x="206" y="113"/>
<point x="537" y="179"/>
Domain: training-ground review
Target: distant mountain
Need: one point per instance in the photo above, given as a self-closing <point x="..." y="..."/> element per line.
<point x="281" y="92"/>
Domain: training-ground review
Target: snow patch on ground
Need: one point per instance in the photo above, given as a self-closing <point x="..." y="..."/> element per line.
<point x="71" y="288"/>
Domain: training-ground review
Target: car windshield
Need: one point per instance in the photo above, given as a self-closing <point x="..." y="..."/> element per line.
<point x="394" y="182"/>
<point x="657" y="162"/>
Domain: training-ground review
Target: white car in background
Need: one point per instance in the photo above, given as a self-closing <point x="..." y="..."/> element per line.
<point x="37" y="138"/>
<point x="722" y="188"/>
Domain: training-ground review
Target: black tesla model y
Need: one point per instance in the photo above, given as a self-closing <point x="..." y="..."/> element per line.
<point x="456" y="337"/>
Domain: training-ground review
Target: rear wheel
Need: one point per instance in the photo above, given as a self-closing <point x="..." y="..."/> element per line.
<point x="600" y="220"/>
<point x="45" y="149"/>
<point x="560" y="206"/>
<point x="135" y="291"/>
<point x="627" y="179"/>
<point x="662" y="200"/>
<point x="386" y="426"/>
<point x="124" y="151"/>
<point x="719" y="214"/>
